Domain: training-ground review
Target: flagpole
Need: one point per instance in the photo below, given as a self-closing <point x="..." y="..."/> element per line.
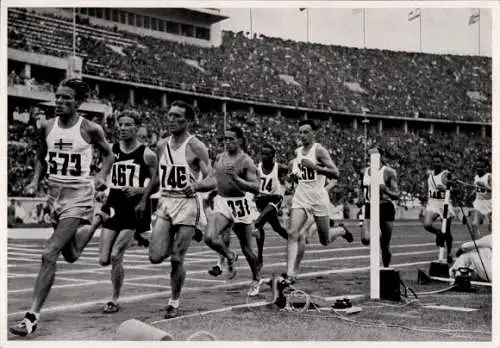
<point x="364" y="29"/>
<point x="420" y="29"/>
<point x="74" y="31"/>
<point x="307" y="15"/>
<point x="479" y="32"/>
<point x="251" y="24"/>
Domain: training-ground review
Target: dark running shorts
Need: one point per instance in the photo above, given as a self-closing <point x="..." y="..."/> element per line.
<point x="124" y="217"/>
<point x="262" y="201"/>
<point x="387" y="211"/>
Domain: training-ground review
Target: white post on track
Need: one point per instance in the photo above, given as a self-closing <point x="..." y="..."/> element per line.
<point x="441" y="256"/>
<point x="374" y="224"/>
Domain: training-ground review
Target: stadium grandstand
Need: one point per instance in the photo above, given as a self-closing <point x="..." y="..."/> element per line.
<point x="145" y="58"/>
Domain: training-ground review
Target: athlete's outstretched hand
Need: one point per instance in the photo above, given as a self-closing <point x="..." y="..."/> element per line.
<point x="31" y="189"/>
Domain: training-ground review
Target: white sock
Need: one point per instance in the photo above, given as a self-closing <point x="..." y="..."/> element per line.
<point x="174" y="303"/>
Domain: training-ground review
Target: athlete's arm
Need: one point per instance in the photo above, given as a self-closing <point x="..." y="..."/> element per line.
<point x="251" y="180"/>
<point x="154" y="178"/>
<point x="98" y="139"/>
<point x="203" y="159"/>
<point x="282" y="172"/>
<point x="208" y="183"/>
<point x="202" y="156"/>
<point x="361" y="193"/>
<point x="484" y="242"/>
<point x="393" y="189"/>
<point x="331" y="184"/>
<point x="327" y="167"/>
<point x="40" y="163"/>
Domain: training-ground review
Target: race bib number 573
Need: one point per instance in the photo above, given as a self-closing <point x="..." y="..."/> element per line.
<point x="65" y="163"/>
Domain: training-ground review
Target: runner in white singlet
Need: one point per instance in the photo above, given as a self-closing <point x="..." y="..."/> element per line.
<point x="183" y="160"/>
<point x="65" y="151"/>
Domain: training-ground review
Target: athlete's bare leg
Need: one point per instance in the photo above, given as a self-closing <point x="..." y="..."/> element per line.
<point x="298" y="218"/>
<point x="217" y="224"/>
<point x="162" y="239"/>
<point x="111" y="251"/>
<point x="178" y="273"/>
<point x="476" y="221"/>
<point x="63" y="234"/>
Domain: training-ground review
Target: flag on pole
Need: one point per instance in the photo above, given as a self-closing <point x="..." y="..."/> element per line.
<point x="302" y="9"/>
<point x="414" y="14"/>
<point x="474" y="18"/>
<point x="356" y="11"/>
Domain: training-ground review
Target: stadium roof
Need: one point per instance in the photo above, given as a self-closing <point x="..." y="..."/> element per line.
<point x="207" y="15"/>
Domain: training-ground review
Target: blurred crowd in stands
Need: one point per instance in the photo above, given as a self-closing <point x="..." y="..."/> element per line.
<point x="273" y="69"/>
<point x="410" y="154"/>
<point x="281" y="72"/>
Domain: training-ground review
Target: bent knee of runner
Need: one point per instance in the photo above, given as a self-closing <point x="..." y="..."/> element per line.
<point x="104" y="260"/>
<point x="293" y="234"/>
<point x="155" y="257"/>
<point x="428" y="224"/>
<point x="50" y="256"/>
<point x="324" y="240"/>
<point x="116" y="257"/>
<point x="70" y="257"/>
<point x="176" y="260"/>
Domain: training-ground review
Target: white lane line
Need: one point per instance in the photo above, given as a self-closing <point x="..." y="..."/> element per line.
<point x="206" y="280"/>
<point x="147" y="285"/>
<point x="311" y="261"/>
<point x="143" y="297"/>
<point x="329" y="250"/>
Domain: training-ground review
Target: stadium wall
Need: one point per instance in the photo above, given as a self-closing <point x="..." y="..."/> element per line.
<point x="32" y="208"/>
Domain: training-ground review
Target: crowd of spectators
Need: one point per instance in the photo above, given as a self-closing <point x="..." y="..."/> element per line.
<point x="410" y="154"/>
<point x="278" y="71"/>
<point x="274" y="70"/>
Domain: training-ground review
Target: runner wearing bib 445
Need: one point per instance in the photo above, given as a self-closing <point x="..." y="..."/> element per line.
<point x="236" y="180"/>
<point x="388" y="191"/>
<point x="482" y="203"/>
<point x="437" y="180"/>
